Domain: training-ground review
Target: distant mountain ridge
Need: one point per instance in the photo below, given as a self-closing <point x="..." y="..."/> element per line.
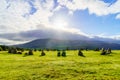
<point x="71" y="44"/>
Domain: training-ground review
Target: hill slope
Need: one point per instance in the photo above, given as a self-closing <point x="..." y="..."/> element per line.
<point x="72" y="44"/>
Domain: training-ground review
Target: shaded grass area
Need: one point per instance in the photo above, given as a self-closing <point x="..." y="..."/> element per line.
<point x="50" y="67"/>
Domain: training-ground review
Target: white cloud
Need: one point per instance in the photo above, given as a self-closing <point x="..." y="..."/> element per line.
<point x="118" y="16"/>
<point x="94" y="6"/>
<point x="10" y="42"/>
<point x="97" y="7"/>
<point x="12" y="12"/>
<point x="15" y="14"/>
<point x="14" y="19"/>
<point x="104" y="35"/>
<point x="117" y="37"/>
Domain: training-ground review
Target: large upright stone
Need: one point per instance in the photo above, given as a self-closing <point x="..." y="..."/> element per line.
<point x="58" y="54"/>
<point x="80" y="53"/>
<point x="109" y="51"/>
<point x="42" y="53"/>
<point x="30" y="52"/>
<point x="103" y="51"/>
<point x="64" y="53"/>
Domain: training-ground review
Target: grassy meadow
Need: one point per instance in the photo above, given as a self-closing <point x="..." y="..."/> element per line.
<point x="50" y="67"/>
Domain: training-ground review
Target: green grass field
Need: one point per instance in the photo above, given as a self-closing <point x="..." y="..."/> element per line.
<point x="50" y="67"/>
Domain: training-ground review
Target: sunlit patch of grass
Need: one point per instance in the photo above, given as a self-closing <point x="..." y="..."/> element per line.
<point x="51" y="67"/>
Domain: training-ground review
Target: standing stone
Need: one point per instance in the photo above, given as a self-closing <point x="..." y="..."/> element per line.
<point x="9" y="51"/>
<point x="80" y="53"/>
<point x="58" y="54"/>
<point x="64" y="53"/>
<point x="14" y="51"/>
<point x="103" y="51"/>
<point x="109" y="51"/>
<point x="19" y="52"/>
<point x="42" y="53"/>
<point x="30" y="52"/>
<point x="1" y="49"/>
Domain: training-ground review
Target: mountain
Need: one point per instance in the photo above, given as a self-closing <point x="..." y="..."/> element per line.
<point x="72" y="44"/>
<point x="49" y="38"/>
<point x="110" y="40"/>
<point x="47" y="35"/>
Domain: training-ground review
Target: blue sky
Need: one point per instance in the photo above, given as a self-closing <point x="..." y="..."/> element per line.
<point x="82" y="17"/>
<point x="92" y="23"/>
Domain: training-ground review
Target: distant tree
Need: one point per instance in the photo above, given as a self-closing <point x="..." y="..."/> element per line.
<point x="22" y="50"/>
<point x="54" y="49"/>
<point x="47" y="49"/>
<point x="81" y="49"/>
<point x="40" y="49"/>
<point x="1" y="49"/>
<point x="96" y="49"/>
<point x="86" y="49"/>
<point x="67" y="48"/>
<point x="4" y="48"/>
<point x="35" y="50"/>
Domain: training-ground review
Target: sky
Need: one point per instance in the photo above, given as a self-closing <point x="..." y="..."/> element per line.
<point x="24" y="20"/>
